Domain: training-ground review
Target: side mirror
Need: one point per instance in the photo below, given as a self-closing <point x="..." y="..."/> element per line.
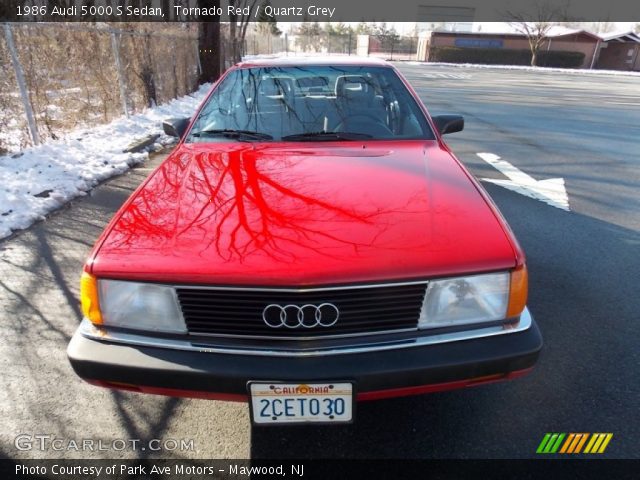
<point x="176" y="127"/>
<point x="448" y="123"/>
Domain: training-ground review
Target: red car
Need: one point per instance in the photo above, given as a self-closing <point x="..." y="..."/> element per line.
<point x="310" y="242"/>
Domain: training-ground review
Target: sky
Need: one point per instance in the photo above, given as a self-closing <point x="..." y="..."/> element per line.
<point x="489" y="27"/>
<point x="502" y="27"/>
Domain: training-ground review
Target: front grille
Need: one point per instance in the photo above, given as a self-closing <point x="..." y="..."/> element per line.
<point x="368" y="309"/>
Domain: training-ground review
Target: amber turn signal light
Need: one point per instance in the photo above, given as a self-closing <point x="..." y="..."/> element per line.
<point x="518" y="291"/>
<point x="89" y="298"/>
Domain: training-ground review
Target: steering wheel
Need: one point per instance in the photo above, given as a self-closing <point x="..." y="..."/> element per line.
<point x="364" y="123"/>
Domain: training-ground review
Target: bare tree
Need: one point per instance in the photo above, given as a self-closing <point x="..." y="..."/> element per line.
<point x="209" y="44"/>
<point x="602" y="27"/>
<point x="145" y="71"/>
<point x="544" y="16"/>
<point x="72" y="78"/>
<point x="238" y="27"/>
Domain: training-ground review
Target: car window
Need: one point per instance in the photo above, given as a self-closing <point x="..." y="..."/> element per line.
<point x="296" y="103"/>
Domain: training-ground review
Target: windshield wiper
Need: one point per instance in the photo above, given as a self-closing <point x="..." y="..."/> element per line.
<point x="312" y="136"/>
<point x="231" y="133"/>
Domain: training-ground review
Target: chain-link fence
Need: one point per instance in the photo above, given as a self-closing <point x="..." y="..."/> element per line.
<point x="56" y="77"/>
<point x="324" y="43"/>
<point x="257" y="44"/>
<point x="391" y="47"/>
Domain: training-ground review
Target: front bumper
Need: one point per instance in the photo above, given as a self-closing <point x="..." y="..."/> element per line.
<point x="376" y="374"/>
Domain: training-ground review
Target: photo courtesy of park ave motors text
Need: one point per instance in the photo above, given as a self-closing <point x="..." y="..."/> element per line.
<point x="232" y="233"/>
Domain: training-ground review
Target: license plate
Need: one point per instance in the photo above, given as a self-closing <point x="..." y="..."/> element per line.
<point x="276" y="403"/>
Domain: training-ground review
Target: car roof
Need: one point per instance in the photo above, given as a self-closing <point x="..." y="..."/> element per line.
<point x="288" y="61"/>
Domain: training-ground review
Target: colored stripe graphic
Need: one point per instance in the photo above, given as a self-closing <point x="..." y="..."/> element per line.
<point x="581" y="443"/>
<point x="556" y="445"/>
<point x="550" y="443"/>
<point x="543" y="443"/>
<point x="574" y="442"/>
<point x="598" y="443"/>
<point x="566" y="445"/>
<point x="605" y="443"/>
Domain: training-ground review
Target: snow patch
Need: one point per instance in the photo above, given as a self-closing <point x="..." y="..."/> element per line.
<point x="41" y="179"/>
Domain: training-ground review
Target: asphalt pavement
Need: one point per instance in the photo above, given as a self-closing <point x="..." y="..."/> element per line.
<point x="584" y="275"/>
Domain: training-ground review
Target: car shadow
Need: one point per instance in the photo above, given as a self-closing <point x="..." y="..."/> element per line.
<point x="39" y="291"/>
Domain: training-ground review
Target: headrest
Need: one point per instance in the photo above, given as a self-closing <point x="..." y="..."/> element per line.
<point x="354" y="87"/>
<point x="270" y="87"/>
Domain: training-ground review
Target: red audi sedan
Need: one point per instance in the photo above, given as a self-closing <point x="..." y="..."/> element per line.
<point x="310" y="242"/>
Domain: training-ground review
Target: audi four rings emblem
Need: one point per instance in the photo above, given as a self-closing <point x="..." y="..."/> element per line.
<point x="296" y="316"/>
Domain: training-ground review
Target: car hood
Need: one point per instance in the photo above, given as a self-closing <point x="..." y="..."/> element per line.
<point x="304" y="214"/>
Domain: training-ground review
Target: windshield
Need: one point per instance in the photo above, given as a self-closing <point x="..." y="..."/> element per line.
<point x="310" y="103"/>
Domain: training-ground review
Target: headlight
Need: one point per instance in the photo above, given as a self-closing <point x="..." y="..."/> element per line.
<point x="142" y="306"/>
<point x="474" y="299"/>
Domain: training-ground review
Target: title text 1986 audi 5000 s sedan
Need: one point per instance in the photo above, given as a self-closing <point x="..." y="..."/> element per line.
<point x="311" y="242"/>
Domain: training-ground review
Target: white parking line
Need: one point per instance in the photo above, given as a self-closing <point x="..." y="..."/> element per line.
<point x="458" y="76"/>
<point x="550" y="191"/>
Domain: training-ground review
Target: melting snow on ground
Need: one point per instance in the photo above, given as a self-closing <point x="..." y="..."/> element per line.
<point x="41" y="179"/>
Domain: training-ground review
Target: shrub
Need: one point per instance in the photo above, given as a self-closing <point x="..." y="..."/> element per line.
<point x="497" y="56"/>
<point x="560" y="59"/>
